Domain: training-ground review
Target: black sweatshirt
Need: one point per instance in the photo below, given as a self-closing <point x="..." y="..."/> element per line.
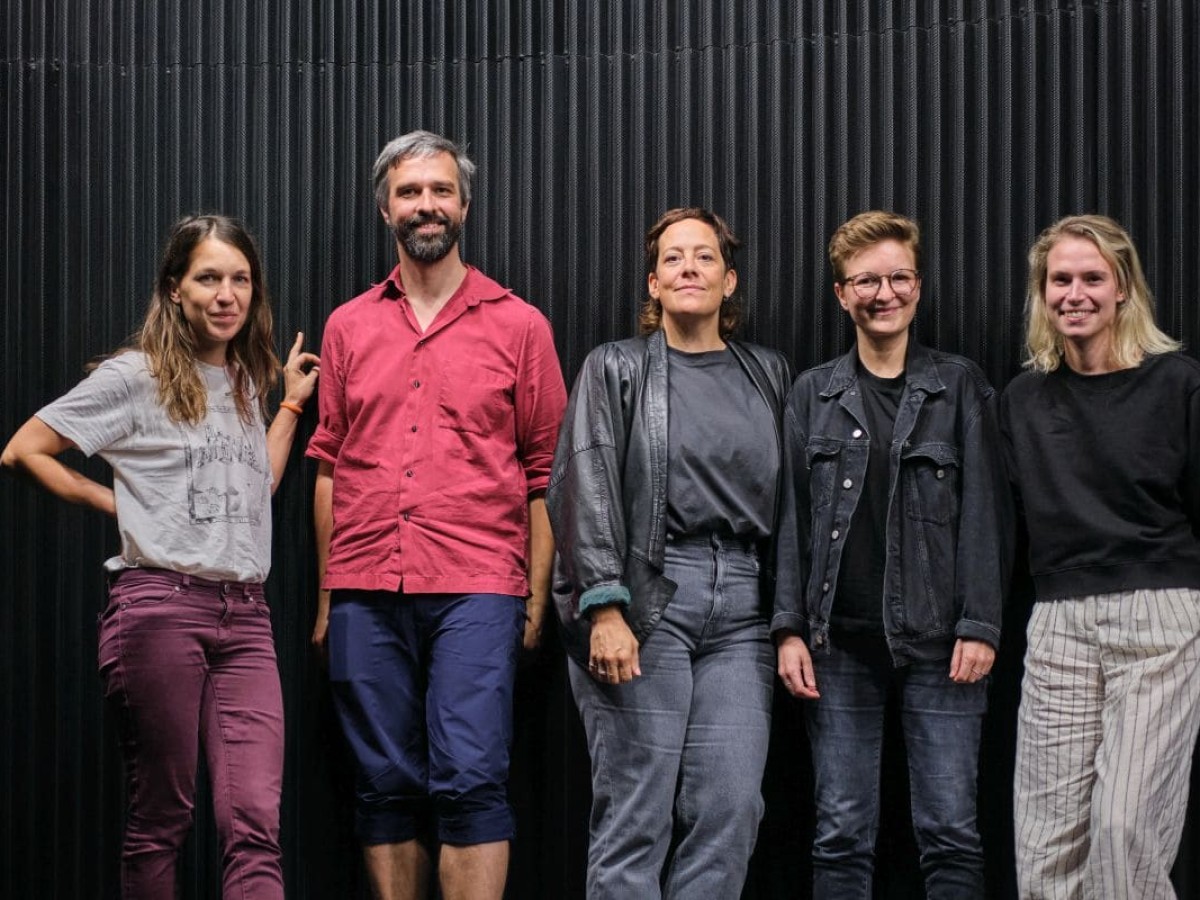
<point x="1107" y="473"/>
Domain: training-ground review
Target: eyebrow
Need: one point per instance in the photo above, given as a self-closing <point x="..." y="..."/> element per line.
<point x="439" y="183"/>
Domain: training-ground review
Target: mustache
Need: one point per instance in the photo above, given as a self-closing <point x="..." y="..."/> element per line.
<point x="425" y="218"/>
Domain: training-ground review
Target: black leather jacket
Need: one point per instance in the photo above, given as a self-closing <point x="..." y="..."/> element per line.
<point x="607" y="496"/>
<point x="949" y="519"/>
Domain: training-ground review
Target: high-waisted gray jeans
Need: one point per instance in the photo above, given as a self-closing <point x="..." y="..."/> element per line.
<point x="679" y="751"/>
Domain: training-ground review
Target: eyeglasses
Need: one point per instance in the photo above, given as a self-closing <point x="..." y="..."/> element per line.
<point x="867" y="284"/>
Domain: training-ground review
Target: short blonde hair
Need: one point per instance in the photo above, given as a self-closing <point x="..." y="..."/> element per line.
<point x="1135" y="334"/>
<point x="868" y="229"/>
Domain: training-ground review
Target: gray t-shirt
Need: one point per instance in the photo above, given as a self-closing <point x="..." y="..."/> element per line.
<point x="723" y="448"/>
<point x="191" y="498"/>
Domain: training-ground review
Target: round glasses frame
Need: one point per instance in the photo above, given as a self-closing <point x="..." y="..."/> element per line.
<point x="904" y="283"/>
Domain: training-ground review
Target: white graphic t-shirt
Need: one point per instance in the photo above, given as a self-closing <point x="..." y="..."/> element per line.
<point x="190" y="498"/>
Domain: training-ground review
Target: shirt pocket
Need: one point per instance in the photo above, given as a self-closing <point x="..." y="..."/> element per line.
<point x="474" y="399"/>
<point x="823" y="458"/>
<point x="931" y="474"/>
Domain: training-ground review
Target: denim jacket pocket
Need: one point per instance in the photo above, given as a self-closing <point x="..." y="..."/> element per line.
<point x="931" y="474"/>
<point x="823" y="459"/>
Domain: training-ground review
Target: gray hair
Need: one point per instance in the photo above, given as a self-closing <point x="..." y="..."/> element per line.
<point x="420" y="144"/>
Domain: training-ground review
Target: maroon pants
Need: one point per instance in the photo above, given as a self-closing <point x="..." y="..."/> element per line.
<point x="190" y="663"/>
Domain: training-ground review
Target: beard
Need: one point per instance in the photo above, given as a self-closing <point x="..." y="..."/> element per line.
<point x="427" y="248"/>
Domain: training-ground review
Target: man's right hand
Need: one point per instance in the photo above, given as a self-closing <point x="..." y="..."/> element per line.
<point x="320" y="632"/>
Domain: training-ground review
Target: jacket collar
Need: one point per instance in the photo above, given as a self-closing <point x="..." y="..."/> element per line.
<point x="921" y="372"/>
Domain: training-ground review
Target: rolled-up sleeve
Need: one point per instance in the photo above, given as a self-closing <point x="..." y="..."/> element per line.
<point x="540" y="398"/>
<point x="326" y="442"/>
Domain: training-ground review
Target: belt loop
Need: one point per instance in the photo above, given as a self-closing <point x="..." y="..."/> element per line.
<point x="185" y="580"/>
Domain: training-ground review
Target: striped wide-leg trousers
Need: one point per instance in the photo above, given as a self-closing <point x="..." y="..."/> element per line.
<point x="1110" y="707"/>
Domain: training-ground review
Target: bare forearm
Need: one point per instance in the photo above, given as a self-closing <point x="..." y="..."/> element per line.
<point x="323" y="528"/>
<point x="279" y="443"/>
<point x="541" y="549"/>
<point x="68" y="484"/>
<point x="33" y="451"/>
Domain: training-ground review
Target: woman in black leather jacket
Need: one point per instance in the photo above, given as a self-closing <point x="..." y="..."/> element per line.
<point x="663" y="499"/>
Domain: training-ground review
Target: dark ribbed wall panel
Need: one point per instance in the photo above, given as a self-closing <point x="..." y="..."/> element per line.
<point x="986" y="120"/>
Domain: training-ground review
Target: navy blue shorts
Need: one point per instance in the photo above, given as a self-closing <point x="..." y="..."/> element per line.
<point x="423" y="685"/>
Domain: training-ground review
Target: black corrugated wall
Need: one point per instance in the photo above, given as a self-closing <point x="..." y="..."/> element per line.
<point x="985" y="119"/>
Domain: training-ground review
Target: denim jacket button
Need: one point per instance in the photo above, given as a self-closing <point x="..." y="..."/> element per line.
<point x="941" y="473"/>
<point x="836" y="534"/>
<point x="847" y="483"/>
<point x="825" y="586"/>
<point x="856" y="433"/>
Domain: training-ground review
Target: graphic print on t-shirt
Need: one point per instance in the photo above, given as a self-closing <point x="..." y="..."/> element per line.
<point x="223" y="473"/>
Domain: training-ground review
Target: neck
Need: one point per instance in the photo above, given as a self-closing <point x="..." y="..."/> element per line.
<point x="1090" y="358"/>
<point x="429" y="285"/>
<point x="213" y="356"/>
<point x="884" y="357"/>
<point x="690" y="337"/>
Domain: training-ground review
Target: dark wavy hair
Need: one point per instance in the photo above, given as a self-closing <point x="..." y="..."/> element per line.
<point x="650" y="317"/>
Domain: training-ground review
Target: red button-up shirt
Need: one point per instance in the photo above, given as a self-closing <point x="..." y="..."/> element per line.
<point x="437" y="438"/>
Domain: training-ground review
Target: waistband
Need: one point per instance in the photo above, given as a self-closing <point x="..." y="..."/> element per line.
<point x="714" y="542"/>
<point x="253" y="589"/>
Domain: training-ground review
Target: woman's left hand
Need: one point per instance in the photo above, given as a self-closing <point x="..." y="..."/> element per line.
<point x="300" y="372"/>
<point x="972" y="661"/>
<point x="614" y="650"/>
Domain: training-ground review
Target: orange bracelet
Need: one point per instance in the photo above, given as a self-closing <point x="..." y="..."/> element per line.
<point x="292" y="407"/>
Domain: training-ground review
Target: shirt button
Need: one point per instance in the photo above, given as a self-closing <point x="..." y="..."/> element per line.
<point x="416" y="382"/>
<point x="406" y="516"/>
<point x="856" y="433"/>
<point x="409" y="473"/>
<point x="414" y="428"/>
<point x="847" y="483"/>
<point x="835" y="534"/>
<point x="941" y="473"/>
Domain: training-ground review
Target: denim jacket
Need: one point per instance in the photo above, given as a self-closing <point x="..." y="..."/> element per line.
<point x="607" y="497"/>
<point x="949" y="528"/>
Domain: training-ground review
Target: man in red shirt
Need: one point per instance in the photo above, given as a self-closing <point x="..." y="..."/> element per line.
<point x="440" y="403"/>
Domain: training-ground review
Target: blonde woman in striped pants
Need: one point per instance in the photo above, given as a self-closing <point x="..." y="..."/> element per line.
<point x="1103" y="441"/>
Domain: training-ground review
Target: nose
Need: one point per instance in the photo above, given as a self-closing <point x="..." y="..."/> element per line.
<point x="886" y="291"/>
<point x="425" y="200"/>
<point x="225" y="292"/>
<point x="1074" y="290"/>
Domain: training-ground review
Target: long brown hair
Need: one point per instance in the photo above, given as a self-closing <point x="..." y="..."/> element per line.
<point x="169" y="344"/>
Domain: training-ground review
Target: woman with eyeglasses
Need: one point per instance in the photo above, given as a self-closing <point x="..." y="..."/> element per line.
<point x="1102" y="435"/>
<point x="893" y="556"/>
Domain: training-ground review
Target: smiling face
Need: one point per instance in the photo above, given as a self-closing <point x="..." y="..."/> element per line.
<point x="1082" y="300"/>
<point x="214" y="295"/>
<point x="424" y="206"/>
<point x="690" y="278"/>
<point x="884" y="318"/>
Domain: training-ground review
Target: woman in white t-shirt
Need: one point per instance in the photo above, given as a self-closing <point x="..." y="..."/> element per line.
<point x="186" y="651"/>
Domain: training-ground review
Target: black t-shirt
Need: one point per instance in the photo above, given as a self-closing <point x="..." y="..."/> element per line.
<point x="858" y="604"/>
<point x="723" y="449"/>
